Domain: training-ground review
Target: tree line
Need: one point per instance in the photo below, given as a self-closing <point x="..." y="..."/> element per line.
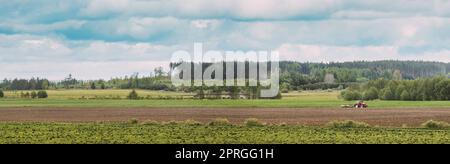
<point x="157" y="80"/>
<point x="294" y="76"/>
<point x="33" y="94"/>
<point x="372" y="69"/>
<point x="297" y="75"/>
<point x="425" y="89"/>
<point x="25" y="84"/>
<point x="312" y="76"/>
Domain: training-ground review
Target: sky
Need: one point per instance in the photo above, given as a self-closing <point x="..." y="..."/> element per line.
<point x="93" y="39"/>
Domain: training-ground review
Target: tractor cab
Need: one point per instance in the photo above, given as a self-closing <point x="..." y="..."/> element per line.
<point x="360" y="104"/>
<point x="357" y="105"/>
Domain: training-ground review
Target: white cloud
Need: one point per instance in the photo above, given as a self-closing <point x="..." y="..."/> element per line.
<point x="282" y="9"/>
<point x="24" y="47"/>
<point x="39" y="28"/>
<point x="104" y="7"/>
<point x="26" y="56"/>
<point x="104" y="51"/>
<point x="142" y="28"/>
<point x="268" y="9"/>
<point x="80" y="70"/>
<point x="319" y="53"/>
<point x="199" y="9"/>
<point x="205" y="24"/>
<point x="28" y="48"/>
<point x="365" y="14"/>
<point x="103" y="31"/>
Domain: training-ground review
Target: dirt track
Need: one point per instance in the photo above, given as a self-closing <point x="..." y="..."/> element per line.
<point x="382" y="117"/>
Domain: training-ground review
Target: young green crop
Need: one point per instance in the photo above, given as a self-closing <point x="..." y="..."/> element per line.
<point x="110" y="133"/>
<point x="284" y="103"/>
<point x="117" y="98"/>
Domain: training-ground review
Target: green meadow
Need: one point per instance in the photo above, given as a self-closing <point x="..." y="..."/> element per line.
<point x="158" y="99"/>
<point x="193" y="133"/>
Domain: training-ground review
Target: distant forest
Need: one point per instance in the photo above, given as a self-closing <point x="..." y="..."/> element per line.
<point x="375" y="69"/>
<point x="294" y="76"/>
<point x="436" y="88"/>
<point x="313" y="75"/>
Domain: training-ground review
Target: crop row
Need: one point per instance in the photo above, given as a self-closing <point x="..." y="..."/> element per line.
<point x="108" y="133"/>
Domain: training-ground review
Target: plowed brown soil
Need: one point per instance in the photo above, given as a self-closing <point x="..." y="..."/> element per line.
<point x="382" y="117"/>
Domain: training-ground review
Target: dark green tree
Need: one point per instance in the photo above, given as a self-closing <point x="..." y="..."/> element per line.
<point x="405" y="96"/>
<point x="387" y="94"/>
<point x="103" y="86"/>
<point x="42" y="94"/>
<point x="443" y="90"/>
<point x="93" y="87"/>
<point x="26" y="95"/>
<point x="351" y="95"/>
<point x="399" y="91"/>
<point x="371" y="94"/>
<point x="133" y="95"/>
<point x="33" y="95"/>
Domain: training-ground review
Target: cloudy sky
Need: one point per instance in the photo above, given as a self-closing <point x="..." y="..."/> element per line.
<point x="106" y="38"/>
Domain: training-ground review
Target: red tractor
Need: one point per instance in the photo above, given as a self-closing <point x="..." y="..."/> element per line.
<point x="358" y="105"/>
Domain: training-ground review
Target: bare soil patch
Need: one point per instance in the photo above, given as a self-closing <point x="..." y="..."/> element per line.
<point x="382" y="117"/>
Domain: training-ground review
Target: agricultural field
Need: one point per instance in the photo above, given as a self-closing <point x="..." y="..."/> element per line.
<point x="411" y="117"/>
<point x="63" y="94"/>
<point x="106" y="98"/>
<point x="103" y="116"/>
<point x="94" y="133"/>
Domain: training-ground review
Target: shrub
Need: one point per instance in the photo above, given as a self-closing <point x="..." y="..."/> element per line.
<point x="93" y="87"/>
<point x="133" y="95"/>
<point x="405" y="96"/>
<point x="170" y="123"/>
<point x="22" y="94"/>
<point x="322" y="86"/>
<point x="371" y="94"/>
<point x="220" y="122"/>
<point x="191" y="123"/>
<point x="347" y="124"/>
<point x="42" y="94"/>
<point x="34" y="95"/>
<point x="25" y="95"/>
<point x="133" y="121"/>
<point x="387" y="94"/>
<point x="2" y="94"/>
<point x="435" y="124"/>
<point x="150" y="122"/>
<point x="103" y="86"/>
<point x="352" y="95"/>
<point x="252" y="122"/>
